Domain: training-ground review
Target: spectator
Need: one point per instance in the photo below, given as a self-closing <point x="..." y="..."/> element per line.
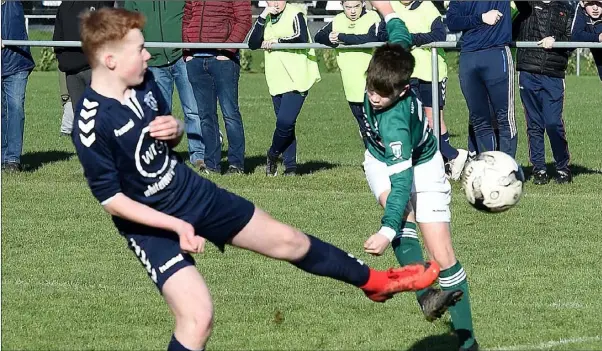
<point x="71" y="59"/>
<point x="541" y="79"/>
<point x="164" y="24"/>
<point x="355" y="25"/>
<point x="214" y="75"/>
<point x="289" y="75"/>
<point x="67" y="104"/>
<point x="424" y="23"/>
<point x="17" y="64"/>
<point x="587" y="27"/>
<point x="486" y="70"/>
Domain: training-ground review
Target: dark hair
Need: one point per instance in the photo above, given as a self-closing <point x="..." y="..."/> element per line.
<point x="390" y="70"/>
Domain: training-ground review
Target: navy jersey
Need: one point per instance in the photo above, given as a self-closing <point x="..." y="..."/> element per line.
<point x="119" y="156"/>
<point x="465" y="16"/>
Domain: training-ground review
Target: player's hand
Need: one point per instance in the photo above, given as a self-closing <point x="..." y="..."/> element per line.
<point x="189" y="242"/>
<point x="187" y="58"/>
<point x="376" y="244"/>
<point x="222" y="58"/>
<point x="270" y="10"/>
<point x="267" y="44"/>
<point x="334" y="37"/>
<point x="546" y="42"/>
<point x="165" y="128"/>
<point x="491" y="17"/>
<point x="599" y="38"/>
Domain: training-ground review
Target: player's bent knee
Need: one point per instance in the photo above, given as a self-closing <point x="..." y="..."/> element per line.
<point x="294" y="245"/>
<point x="194" y="329"/>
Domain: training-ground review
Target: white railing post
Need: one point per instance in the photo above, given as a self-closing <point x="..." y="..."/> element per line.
<point x="578" y="62"/>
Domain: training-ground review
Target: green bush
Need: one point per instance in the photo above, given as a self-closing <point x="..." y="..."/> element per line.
<point x="246" y="60"/>
<point x="329" y="59"/>
<point x="47" y="61"/>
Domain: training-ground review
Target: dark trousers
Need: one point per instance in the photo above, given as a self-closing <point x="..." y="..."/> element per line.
<point x="357" y="109"/>
<point x="487" y="82"/>
<point x="287" y="107"/>
<point x="543" y="99"/>
<point x="214" y="80"/>
<point x="76" y="85"/>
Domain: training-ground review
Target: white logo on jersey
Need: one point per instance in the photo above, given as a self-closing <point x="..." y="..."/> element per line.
<point x="119" y="132"/>
<point x="88" y="111"/>
<point x="150" y="101"/>
<point x="155" y="150"/>
<point x="397" y="148"/>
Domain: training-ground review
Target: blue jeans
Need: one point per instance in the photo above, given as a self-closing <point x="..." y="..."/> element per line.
<point x="13" y="116"/>
<point x="214" y="80"/>
<point x="165" y="77"/>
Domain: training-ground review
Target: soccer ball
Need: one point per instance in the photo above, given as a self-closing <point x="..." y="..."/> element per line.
<point x="493" y="182"/>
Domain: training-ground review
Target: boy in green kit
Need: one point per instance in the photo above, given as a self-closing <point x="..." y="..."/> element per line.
<point x="406" y="173"/>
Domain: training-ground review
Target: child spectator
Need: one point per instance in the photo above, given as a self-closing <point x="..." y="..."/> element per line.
<point x="587" y="27"/>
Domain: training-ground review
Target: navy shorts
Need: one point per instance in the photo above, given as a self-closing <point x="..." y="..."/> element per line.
<point x="424" y="91"/>
<point x="216" y="214"/>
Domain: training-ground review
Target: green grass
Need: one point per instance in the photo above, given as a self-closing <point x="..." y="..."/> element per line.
<point x="69" y="281"/>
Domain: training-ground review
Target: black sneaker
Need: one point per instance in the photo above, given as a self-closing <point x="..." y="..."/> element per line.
<point x="271" y="166"/>
<point x="200" y="165"/>
<point x="564" y="177"/>
<point x="435" y="302"/>
<point x="290" y="172"/>
<point x="234" y="170"/>
<point x="11" y="167"/>
<point x="541" y="177"/>
<point x="474" y="347"/>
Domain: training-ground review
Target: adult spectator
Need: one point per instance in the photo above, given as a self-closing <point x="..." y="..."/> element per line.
<point x="17" y="64"/>
<point x="587" y="27"/>
<point x="541" y="79"/>
<point x="214" y="74"/>
<point x="66" y="104"/>
<point x="164" y="24"/>
<point x="486" y="70"/>
<point x="71" y="60"/>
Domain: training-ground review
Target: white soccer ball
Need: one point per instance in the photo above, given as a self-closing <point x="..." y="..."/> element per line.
<point x="493" y="182"/>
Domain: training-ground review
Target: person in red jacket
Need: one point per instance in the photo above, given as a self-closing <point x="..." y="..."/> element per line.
<point x="214" y="75"/>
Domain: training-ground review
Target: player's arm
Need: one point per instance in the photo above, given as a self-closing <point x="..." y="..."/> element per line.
<point x="95" y="154"/>
<point x="255" y="37"/>
<point x="398" y="153"/>
<point x="396" y="28"/>
<point x="323" y="36"/>
<point x="355" y="39"/>
<point x="458" y="20"/>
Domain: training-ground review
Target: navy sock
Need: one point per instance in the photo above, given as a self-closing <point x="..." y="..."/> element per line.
<point x="326" y="260"/>
<point x="448" y="151"/>
<point x="174" y="345"/>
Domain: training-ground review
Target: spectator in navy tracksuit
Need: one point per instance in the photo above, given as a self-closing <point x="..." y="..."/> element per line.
<point x="17" y="64"/>
<point x="541" y="79"/>
<point x="486" y="70"/>
<point x="587" y="27"/>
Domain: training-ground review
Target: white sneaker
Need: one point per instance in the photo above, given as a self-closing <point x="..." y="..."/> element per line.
<point x="457" y="164"/>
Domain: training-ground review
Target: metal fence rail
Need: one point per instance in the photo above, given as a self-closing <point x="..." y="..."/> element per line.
<point x="433" y="46"/>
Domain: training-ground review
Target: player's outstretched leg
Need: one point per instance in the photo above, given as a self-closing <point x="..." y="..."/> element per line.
<point x="266" y="236"/>
<point x="189" y="300"/>
<point x="437" y="239"/>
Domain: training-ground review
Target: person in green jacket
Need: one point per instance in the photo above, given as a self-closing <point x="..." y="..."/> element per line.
<point x="164" y="24"/>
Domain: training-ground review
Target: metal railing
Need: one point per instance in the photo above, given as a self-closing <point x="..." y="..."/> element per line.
<point x="433" y="46"/>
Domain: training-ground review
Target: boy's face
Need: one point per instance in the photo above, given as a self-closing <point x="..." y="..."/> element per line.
<point x="278" y="5"/>
<point x="353" y="9"/>
<point x="127" y="58"/>
<point x="593" y="9"/>
<point x="380" y="102"/>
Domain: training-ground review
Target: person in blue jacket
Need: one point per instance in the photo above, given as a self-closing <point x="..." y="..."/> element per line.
<point x="17" y="64"/>
<point x="587" y="27"/>
<point x="486" y="70"/>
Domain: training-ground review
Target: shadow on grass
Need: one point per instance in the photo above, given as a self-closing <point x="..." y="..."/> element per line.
<point x="32" y="161"/>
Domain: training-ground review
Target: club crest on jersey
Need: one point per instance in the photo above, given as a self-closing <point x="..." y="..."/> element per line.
<point x="397" y="149"/>
<point x="150" y="101"/>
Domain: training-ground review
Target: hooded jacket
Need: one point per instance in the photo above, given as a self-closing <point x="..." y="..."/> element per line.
<point x="66" y="28"/>
<point x="163" y="24"/>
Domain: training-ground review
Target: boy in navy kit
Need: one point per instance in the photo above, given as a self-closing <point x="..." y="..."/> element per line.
<point x="486" y="70"/>
<point x="124" y="135"/>
<point x="587" y="27"/>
